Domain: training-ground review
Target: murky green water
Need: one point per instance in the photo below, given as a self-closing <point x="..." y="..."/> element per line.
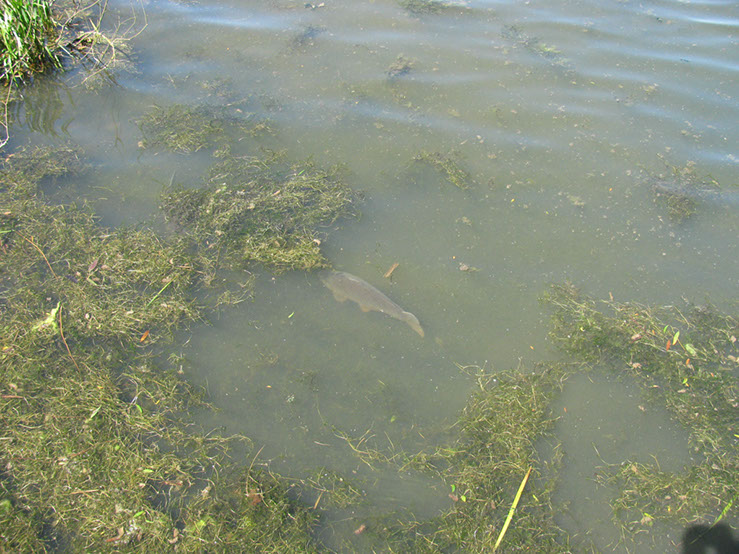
<point x="563" y="114"/>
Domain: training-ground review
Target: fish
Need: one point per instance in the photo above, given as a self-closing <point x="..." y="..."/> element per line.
<point x="346" y="286"/>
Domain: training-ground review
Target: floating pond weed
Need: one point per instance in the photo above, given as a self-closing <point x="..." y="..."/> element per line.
<point x="250" y="511"/>
<point x="331" y="489"/>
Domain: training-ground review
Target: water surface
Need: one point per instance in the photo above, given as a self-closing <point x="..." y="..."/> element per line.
<point x="562" y="113"/>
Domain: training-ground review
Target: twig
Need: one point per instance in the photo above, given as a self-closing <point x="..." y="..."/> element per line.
<point x="40" y="251"/>
<point x="61" y="332"/>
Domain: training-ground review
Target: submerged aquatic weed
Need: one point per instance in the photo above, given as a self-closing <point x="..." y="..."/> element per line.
<point x="448" y="166"/>
<point x="498" y="433"/>
<point x="686" y="360"/>
<point x="95" y="452"/>
<point x="499" y="429"/>
<point x="23" y="171"/>
<point x="331" y="489"/>
<point x="185" y="129"/>
<point x="262" y="210"/>
<point x="108" y="283"/>
<point x="80" y="453"/>
<point x="680" y="205"/>
<point x="423" y="7"/>
<point x="683" y="191"/>
<point x="180" y="128"/>
<point x="252" y="511"/>
<point x="306" y="37"/>
<point x="547" y="51"/>
<point x="401" y="67"/>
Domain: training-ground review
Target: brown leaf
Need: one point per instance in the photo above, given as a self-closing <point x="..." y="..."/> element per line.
<point x="117" y="537"/>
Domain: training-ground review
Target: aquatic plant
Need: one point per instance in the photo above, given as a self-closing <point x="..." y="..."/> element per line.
<point x="248" y="512"/>
<point x="682" y="192"/>
<point x="680" y="205"/>
<point x="97" y="452"/>
<point x="495" y="449"/>
<point x="400" y="67"/>
<point x="185" y="129"/>
<point x="534" y="45"/>
<point x="261" y="210"/>
<point x="686" y="360"/>
<point x="499" y="430"/>
<point x="331" y="489"/>
<point x="306" y="37"/>
<point x="448" y="165"/>
<point x="423" y="7"/>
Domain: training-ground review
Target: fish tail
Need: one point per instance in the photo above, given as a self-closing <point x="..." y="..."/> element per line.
<point x="413" y="323"/>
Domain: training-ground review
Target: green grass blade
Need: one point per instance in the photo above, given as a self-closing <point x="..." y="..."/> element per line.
<point x="512" y="510"/>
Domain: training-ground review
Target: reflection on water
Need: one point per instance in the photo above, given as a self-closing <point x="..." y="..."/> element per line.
<point x="563" y="116"/>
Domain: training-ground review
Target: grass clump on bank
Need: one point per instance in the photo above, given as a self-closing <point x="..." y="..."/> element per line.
<point x="261" y="210"/>
<point x="27" y="37"/>
<point x="685" y="360"/>
<point x="39" y="35"/>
